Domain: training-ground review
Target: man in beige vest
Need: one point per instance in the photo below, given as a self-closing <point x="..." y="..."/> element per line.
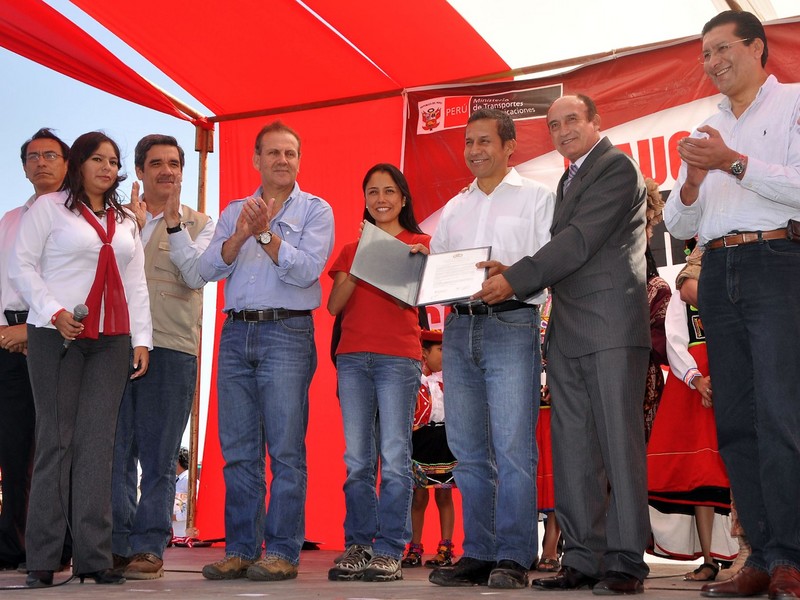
<point x="155" y="408"/>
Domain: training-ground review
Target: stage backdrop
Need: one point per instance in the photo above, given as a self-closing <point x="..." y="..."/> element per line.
<point x="647" y="102"/>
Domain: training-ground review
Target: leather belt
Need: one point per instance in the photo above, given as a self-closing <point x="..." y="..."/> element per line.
<point x="16" y="317"/>
<point x="746" y="237"/>
<point x="479" y="308"/>
<point x="266" y="314"/>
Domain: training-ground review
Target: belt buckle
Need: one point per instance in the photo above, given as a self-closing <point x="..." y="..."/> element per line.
<point x="725" y="243"/>
<point x="470" y="306"/>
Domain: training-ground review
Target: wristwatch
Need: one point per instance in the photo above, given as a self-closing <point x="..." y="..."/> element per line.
<point x="738" y="166"/>
<point x="264" y="238"/>
<point x="175" y="229"/>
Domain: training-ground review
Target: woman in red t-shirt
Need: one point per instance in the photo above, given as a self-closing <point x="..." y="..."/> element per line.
<point x="378" y="372"/>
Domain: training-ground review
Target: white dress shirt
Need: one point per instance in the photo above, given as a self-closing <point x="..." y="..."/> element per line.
<point x="55" y="261"/>
<point x="434" y="383"/>
<point x="767" y="196"/>
<point x="9" y="224"/>
<point x="682" y="363"/>
<point x="514" y="220"/>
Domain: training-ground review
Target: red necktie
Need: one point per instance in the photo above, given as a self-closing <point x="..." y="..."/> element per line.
<point x="107" y="290"/>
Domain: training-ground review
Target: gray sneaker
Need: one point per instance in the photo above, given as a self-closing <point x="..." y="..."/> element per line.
<point x="383" y="568"/>
<point x="352" y="563"/>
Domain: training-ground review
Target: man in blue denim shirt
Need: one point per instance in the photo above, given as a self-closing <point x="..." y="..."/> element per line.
<point x="271" y="248"/>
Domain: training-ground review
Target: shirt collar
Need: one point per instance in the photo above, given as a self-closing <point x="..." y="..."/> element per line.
<point x="293" y="194"/>
<point x="512" y="178"/>
<point x="149" y="217"/>
<point x="580" y="161"/>
<point x="770" y="83"/>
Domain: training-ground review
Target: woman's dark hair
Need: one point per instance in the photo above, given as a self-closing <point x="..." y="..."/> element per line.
<point x="652" y="268"/>
<point x="83" y="148"/>
<point x="407" y="219"/>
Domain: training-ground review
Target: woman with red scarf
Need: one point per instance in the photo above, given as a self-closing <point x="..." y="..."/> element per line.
<point x="78" y="247"/>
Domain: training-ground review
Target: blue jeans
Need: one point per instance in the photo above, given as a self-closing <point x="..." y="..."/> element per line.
<point x="378" y="394"/>
<point x="491" y="369"/>
<point x="265" y="370"/>
<point x="750" y="305"/>
<point x="151" y="422"/>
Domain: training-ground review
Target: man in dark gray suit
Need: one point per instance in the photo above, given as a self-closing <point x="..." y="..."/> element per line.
<point x="597" y="349"/>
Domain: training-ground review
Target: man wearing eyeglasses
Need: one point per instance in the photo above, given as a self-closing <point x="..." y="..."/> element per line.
<point x="738" y="188"/>
<point x="45" y="164"/>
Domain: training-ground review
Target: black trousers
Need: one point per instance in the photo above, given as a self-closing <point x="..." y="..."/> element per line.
<point x="17" y="416"/>
<point x="77" y="398"/>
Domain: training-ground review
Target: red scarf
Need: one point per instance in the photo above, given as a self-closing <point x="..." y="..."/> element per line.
<point x="107" y="288"/>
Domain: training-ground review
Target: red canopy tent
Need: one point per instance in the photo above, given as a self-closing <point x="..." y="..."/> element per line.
<point x="336" y="72"/>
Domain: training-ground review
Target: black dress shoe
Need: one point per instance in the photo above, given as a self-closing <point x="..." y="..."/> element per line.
<point x="508" y="575"/>
<point x="105" y="576"/>
<point x="566" y="579"/>
<point x="615" y="583"/>
<point x="120" y="562"/>
<point x="38" y="579"/>
<point x="466" y="572"/>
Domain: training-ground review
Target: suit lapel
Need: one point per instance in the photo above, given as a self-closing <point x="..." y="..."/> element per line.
<point x="559" y="208"/>
<point x="563" y="201"/>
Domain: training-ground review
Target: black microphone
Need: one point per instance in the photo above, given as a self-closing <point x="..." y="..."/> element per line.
<point x="80" y="312"/>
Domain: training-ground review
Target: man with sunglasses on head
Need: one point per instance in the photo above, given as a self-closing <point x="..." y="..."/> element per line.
<point x="45" y="164"/>
<point x="738" y="189"/>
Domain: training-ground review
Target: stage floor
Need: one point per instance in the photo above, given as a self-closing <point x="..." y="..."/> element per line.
<point x="183" y="580"/>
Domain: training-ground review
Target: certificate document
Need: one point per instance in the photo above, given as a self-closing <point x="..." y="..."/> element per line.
<point x="416" y="279"/>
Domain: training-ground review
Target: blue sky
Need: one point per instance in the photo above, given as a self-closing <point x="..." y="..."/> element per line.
<point x="37" y="97"/>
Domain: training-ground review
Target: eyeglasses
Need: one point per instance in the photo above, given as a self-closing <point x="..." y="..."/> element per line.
<point x="721" y="50"/>
<point x="49" y="156"/>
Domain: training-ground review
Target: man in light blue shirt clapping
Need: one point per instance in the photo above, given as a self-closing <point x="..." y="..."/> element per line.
<point x="270" y="248"/>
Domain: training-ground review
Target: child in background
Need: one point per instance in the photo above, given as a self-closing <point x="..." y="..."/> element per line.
<point x="552" y="543"/>
<point x="687" y="480"/>
<point x="181" y="494"/>
<point x="432" y="460"/>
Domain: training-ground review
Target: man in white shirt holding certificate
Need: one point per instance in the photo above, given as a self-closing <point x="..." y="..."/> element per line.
<point x="492" y="363"/>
